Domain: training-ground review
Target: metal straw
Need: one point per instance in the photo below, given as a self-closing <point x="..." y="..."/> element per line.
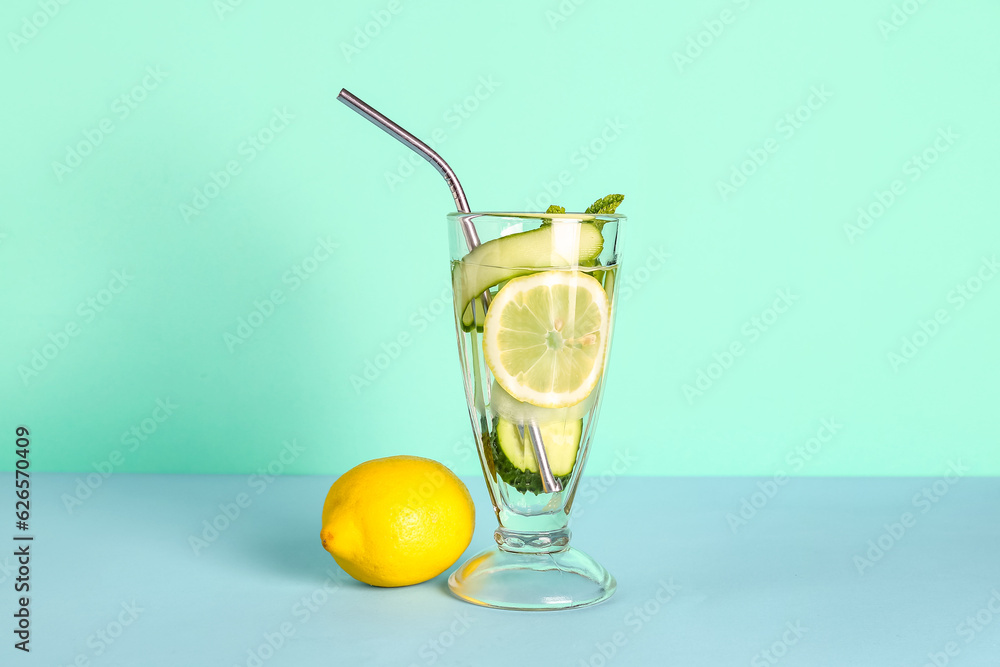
<point x="549" y="483"/>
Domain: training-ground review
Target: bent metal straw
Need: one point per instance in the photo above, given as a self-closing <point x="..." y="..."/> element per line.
<point x="549" y="483"/>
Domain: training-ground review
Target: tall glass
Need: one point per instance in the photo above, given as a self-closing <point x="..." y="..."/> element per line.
<point x="557" y="270"/>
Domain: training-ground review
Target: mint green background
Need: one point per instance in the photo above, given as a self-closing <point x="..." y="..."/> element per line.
<point x="559" y="83"/>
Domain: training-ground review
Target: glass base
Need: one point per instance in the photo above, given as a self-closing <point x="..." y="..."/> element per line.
<point x="503" y="579"/>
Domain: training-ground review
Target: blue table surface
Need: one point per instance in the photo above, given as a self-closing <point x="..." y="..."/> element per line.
<point x="848" y="571"/>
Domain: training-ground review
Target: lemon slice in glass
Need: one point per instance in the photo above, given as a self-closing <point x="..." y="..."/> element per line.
<point x="545" y="337"/>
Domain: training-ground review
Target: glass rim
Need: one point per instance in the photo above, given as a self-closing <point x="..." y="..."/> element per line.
<point x="534" y="215"/>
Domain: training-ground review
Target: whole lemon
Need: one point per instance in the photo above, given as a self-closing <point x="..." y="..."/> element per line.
<point x="397" y="521"/>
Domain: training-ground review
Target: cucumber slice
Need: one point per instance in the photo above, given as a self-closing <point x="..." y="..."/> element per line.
<point x="475" y="308"/>
<point x="514" y="458"/>
<point x="607" y="278"/>
<point x="507" y="257"/>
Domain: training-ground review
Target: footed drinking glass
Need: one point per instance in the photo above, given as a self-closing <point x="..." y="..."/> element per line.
<point x="535" y="305"/>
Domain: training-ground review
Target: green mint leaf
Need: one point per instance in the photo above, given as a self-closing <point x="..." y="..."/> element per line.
<point x="605" y="205"/>
<point x="553" y="209"/>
